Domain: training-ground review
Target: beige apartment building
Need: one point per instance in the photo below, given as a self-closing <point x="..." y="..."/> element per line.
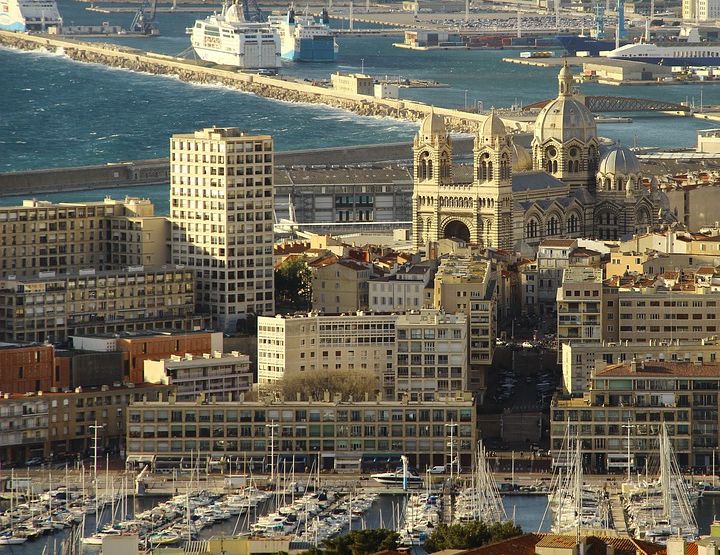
<point x="309" y="342"/>
<point x="54" y="307"/>
<point x="40" y="236"/>
<point x="223" y="376"/>
<point x="432" y="355"/>
<point x="341" y="286"/>
<point x="221" y="205"/>
<point x="139" y="241"/>
<point x="579" y="360"/>
<point x="333" y="433"/>
<point x="580" y="307"/>
<point x="643" y="395"/>
<point x="468" y="285"/>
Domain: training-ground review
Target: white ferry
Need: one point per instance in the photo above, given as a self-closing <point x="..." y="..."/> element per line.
<point x="303" y="39"/>
<point x="228" y="39"/>
<point x="29" y="15"/>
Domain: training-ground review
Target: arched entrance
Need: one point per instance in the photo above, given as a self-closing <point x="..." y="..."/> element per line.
<point x="457" y="230"/>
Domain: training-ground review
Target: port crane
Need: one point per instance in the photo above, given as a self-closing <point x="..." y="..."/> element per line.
<point x="144" y="21"/>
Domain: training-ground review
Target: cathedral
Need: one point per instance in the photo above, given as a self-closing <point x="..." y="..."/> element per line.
<point x="569" y="185"/>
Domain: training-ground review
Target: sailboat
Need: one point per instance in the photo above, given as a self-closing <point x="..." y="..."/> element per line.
<point x="661" y="508"/>
<point x="573" y="503"/>
<point x="9" y="537"/>
<point x="481" y="501"/>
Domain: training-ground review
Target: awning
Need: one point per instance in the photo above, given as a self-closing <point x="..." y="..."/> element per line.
<point x="140" y="458"/>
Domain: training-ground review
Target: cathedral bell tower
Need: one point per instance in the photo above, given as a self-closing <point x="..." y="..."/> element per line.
<point x="432" y="155"/>
<point x="492" y="184"/>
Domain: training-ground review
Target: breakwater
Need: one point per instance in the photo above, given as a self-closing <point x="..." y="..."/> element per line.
<point x="277" y="88"/>
<point x="157" y="171"/>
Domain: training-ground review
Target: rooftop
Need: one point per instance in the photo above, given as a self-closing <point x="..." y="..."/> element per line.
<point x="660" y="369"/>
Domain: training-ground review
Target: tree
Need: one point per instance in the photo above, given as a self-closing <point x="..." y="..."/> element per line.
<point x="362" y="542"/>
<point x="313" y="384"/>
<point x="469" y="534"/>
<point x="293" y="283"/>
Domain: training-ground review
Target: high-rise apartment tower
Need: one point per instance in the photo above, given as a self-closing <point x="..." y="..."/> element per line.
<point x="221" y="196"/>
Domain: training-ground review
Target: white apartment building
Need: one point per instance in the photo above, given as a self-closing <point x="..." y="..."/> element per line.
<point x="579" y="306"/>
<point x="579" y="360"/>
<point x="405" y="288"/>
<point x="221" y="206"/>
<point x="432" y="354"/>
<point x="310" y="342"/>
<point x="223" y="376"/>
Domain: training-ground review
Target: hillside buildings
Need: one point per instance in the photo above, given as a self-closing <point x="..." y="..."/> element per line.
<point x="221" y="210"/>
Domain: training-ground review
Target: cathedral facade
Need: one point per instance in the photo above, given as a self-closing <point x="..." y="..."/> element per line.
<point x="568" y="186"/>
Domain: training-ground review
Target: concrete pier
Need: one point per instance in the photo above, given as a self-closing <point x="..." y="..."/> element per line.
<point x="278" y="88"/>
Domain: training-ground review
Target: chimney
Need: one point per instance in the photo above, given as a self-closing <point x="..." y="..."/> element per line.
<point x="633" y="367"/>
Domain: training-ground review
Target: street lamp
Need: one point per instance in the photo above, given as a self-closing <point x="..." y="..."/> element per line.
<point x="628" y="426"/>
<point x="272" y="427"/>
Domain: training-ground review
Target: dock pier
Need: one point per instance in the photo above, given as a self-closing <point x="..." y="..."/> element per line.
<point x="281" y="88"/>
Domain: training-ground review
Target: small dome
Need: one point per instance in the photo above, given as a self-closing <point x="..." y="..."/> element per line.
<point x="522" y="161"/>
<point x="493" y="126"/>
<point x="620" y="160"/>
<point x="433" y="125"/>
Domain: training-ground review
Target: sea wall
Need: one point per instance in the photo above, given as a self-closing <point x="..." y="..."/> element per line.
<point x="277" y="88"/>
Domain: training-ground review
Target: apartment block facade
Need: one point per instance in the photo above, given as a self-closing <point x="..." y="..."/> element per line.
<point x="58" y="424"/>
<point x="580" y="307"/>
<point x="341" y="286"/>
<point x="40" y="236"/>
<point x="579" y="360"/>
<point x="468" y="285"/>
<point x="330" y="432"/>
<point x="406" y="288"/>
<point x="682" y="396"/>
<point x="221" y="206"/>
<point x="360" y="341"/>
<point x="224" y="376"/>
<point x="432" y="356"/>
<point x="26" y="368"/>
<point x="53" y="307"/>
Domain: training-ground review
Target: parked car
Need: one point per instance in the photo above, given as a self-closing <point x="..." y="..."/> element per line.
<point x="437" y="470"/>
<point x="35" y="461"/>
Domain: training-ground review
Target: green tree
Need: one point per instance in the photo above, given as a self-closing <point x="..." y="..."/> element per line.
<point x="362" y="542"/>
<point x="467" y="535"/>
<point x="293" y="284"/>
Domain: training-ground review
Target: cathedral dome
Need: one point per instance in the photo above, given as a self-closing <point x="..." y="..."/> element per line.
<point x="620" y="160"/>
<point x="493" y="126"/>
<point x="433" y="125"/>
<point x="565" y="118"/>
<point x="521" y="159"/>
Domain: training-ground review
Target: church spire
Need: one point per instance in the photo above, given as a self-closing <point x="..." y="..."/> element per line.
<point x="565" y="80"/>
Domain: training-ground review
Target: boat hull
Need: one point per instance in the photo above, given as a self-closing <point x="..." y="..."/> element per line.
<point x="575" y="43"/>
<point x="317" y="49"/>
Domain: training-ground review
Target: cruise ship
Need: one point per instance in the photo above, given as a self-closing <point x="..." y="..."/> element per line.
<point x="303" y="39"/>
<point x="228" y="39"/>
<point x="29" y="15"/>
<point x="699" y="54"/>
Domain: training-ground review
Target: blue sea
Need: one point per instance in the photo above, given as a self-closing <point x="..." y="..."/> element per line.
<point x="56" y="112"/>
